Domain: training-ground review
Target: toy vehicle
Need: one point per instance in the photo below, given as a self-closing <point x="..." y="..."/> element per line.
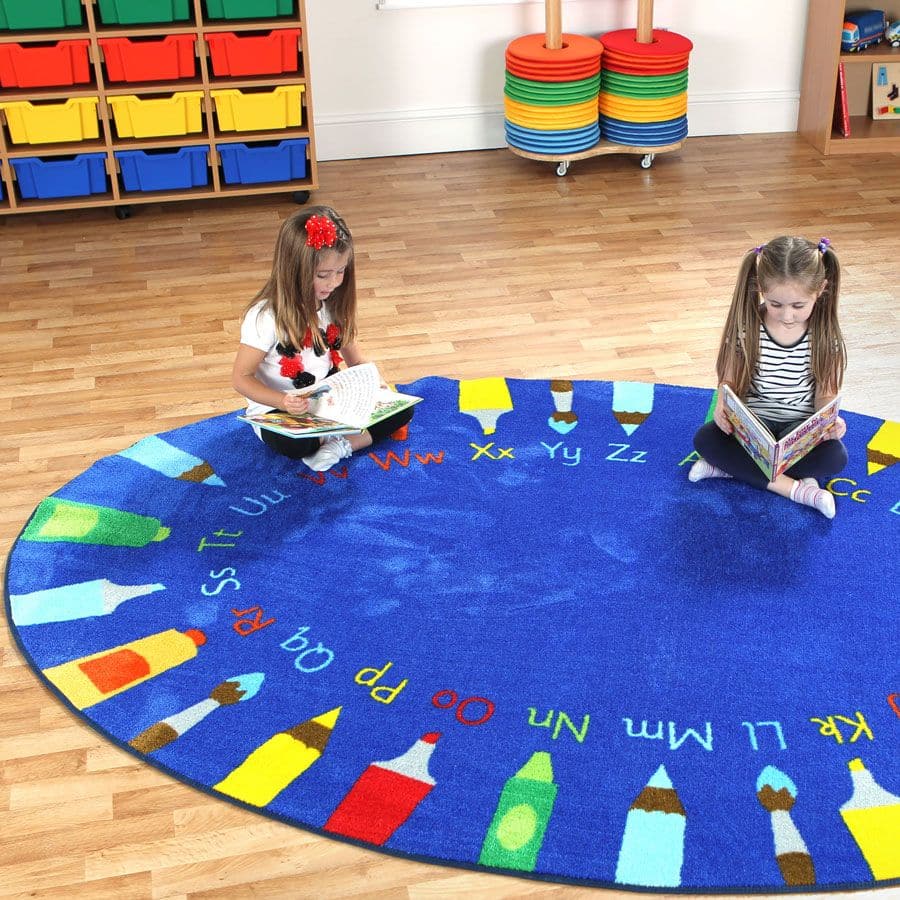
<point x="892" y="34"/>
<point x="862" y="29"/>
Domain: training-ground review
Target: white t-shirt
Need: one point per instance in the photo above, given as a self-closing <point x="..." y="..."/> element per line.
<point x="258" y="330"/>
<point x="783" y="388"/>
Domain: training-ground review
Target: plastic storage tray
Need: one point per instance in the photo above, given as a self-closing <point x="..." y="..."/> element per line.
<point x="253" y="164"/>
<point x="265" y="54"/>
<point x="126" y="12"/>
<point x="78" y="176"/>
<point x="163" y="170"/>
<point x="27" y="65"/>
<point x="157" y="117"/>
<point x="50" y="123"/>
<point x="160" y="59"/>
<point x="22" y="14"/>
<point x="239" y="111"/>
<point x="248" y="9"/>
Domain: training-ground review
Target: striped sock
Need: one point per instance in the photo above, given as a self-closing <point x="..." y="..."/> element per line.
<point x="702" y="469"/>
<point x="809" y="493"/>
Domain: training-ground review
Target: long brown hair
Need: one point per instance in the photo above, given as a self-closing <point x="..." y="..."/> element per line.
<point x="813" y="267"/>
<point x="290" y="293"/>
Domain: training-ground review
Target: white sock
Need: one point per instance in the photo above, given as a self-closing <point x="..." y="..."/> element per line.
<point x="332" y="449"/>
<point x="809" y="493"/>
<point x="702" y="469"/>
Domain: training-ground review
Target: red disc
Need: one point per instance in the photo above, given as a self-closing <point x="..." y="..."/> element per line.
<point x="664" y="44"/>
<point x="635" y="70"/>
<point x="554" y="76"/>
<point x="576" y="48"/>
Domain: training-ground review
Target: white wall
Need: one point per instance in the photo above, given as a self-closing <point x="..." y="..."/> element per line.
<point x="393" y="82"/>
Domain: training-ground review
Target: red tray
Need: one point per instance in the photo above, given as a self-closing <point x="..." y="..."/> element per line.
<point x="149" y="60"/>
<point x="254" y="54"/>
<point x="66" y="62"/>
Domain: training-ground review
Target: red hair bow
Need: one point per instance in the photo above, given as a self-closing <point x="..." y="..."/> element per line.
<point x="320" y="232"/>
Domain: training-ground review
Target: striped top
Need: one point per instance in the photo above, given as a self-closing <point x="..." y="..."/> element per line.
<point x="782" y="388"/>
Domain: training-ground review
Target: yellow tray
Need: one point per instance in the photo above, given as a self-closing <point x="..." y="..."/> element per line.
<point x="155" y="117"/>
<point x="52" y="123"/>
<point x="280" y="108"/>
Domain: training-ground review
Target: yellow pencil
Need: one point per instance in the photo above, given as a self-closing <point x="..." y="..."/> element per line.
<point x="486" y="399"/>
<point x="283" y="758"/>
<point x="884" y="448"/>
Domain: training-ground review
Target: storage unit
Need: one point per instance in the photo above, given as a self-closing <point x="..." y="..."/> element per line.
<point x="819" y="85"/>
<point x="77" y="176"/>
<point x="156" y="59"/>
<point x="62" y="62"/>
<point x="264" y="162"/>
<point x="184" y="99"/>
<point x="164" y="170"/>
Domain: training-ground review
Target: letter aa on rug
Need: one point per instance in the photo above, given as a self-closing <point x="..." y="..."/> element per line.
<point x="517" y="639"/>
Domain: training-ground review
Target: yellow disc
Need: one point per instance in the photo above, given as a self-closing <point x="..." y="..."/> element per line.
<point x="572" y="110"/>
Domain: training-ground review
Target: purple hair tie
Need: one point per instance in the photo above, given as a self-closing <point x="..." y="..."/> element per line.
<point x="759" y="249"/>
<point x="823" y="244"/>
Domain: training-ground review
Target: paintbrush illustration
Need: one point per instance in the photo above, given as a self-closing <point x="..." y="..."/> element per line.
<point x="777" y="794"/>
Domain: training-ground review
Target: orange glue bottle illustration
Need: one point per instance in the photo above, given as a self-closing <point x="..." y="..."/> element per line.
<point x="91" y="679"/>
<point x="872" y="815"/>
<point x="385" y="795"/>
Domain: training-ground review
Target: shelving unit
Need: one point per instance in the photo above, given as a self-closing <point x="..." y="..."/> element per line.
<point x="250" y="152"/>
<point x="819" y="84"/>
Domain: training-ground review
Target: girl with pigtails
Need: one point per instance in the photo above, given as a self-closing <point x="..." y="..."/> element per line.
<point x="783" y="354"/>
<point x="299" y="328"/>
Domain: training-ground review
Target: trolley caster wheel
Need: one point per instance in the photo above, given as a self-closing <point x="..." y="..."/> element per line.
<point x="647" y="160"/>
<point x="123" y="212"/>
<point x="562" y="168"/>
<point x="300" y="197"/>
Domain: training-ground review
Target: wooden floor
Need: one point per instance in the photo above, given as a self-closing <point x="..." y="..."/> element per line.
<point x="469" y="264"/>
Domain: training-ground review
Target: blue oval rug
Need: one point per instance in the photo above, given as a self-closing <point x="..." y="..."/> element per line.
<point x="518" y="639"/>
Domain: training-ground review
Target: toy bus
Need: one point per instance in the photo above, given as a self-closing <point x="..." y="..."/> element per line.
<point x="862" y="29"/>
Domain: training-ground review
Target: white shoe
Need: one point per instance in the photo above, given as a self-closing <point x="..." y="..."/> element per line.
<point x="333" y="450"/>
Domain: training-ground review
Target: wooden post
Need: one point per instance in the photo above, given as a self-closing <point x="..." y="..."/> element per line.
<point x="553" y="9"/>
<point x="645" y="22"/>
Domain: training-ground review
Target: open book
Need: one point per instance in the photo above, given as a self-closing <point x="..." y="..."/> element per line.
<point x="347" y="402"/>
<point x="771" y="455"/>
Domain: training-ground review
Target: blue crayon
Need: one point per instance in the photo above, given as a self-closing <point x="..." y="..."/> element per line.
<point x="652" y="850"/>
<point x="161" y="456"/>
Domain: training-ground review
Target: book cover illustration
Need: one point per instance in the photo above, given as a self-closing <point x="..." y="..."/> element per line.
<point x="886" y="90"/>
<point x="775" y="456"/>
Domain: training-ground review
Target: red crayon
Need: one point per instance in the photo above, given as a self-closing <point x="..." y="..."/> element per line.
<point x="385" y="795"/>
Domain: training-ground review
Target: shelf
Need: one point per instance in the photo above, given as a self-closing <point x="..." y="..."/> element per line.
<point x="201" y="79"/>
<point x="881" y="53"/>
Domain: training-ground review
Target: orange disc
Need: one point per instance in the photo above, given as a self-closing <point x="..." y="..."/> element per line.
<point x="536" y="75"/>
<point x="576" y="48"/>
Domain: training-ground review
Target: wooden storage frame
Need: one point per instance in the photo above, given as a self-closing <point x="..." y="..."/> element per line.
<point x="205" y="81"/>
<point x="819" y="84"/>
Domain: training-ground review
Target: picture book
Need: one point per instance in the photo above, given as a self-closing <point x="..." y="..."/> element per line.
<point x="771" y="455"/>
<point x="347" y="402"/>
<point x="841" y="106"/>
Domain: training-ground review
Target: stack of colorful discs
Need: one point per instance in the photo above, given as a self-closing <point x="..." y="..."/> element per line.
<point x="643" y="88"/>
<point x="550" y="96"/>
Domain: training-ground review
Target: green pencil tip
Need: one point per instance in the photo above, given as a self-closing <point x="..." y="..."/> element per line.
<point x="538" y="768"/>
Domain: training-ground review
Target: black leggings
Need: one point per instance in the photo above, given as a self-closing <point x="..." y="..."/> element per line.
<point x="725" y="453"/>
<point x="297" y="448"/>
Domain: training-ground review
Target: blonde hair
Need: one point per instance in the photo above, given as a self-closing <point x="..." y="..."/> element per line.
<point x="813" y="268"/>
<point x="290" y="293"/>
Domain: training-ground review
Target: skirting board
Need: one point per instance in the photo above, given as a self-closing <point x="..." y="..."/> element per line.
<point x="444" y="130"/>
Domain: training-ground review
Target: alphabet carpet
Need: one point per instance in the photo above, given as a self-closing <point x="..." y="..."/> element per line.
<point x="516" y="639"/>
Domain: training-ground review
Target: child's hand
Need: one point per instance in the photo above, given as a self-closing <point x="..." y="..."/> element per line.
<point x="839" y="429"/>
<point x="295" y="404"/>
<point x="720" y="418"/>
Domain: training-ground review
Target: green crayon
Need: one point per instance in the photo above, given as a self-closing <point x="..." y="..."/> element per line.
<point x="517" y="830"/>
<point x="84" y="523"/>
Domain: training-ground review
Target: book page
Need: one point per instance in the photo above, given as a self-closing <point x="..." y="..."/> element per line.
<point x="795" y="445"/>
<point x="751" y="434"/>
<point x="347" y="396"/>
